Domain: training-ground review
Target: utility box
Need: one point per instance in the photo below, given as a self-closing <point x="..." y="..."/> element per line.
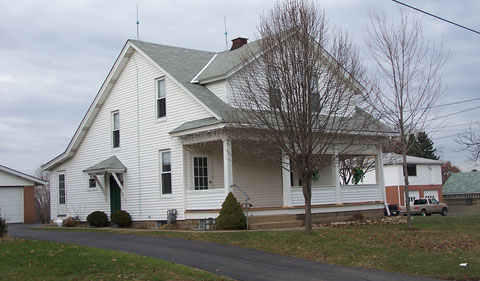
<point x="172" y="216"/>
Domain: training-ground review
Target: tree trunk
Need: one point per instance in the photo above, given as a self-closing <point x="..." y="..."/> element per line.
<point x="407" y="197"/>
<point x="307" y="194"/>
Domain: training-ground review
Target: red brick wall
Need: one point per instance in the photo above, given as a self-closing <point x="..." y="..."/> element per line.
<point x="28" y="204"/>
<point x="392" y="192"/>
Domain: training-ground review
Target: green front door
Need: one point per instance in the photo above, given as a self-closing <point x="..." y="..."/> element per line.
<point x="115" y="202"/>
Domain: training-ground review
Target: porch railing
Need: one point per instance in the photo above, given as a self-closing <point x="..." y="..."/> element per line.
<point x="209" y="199"/>
<point x="348" y="194"/>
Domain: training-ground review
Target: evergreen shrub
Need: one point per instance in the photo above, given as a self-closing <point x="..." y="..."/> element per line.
<point x="231" y="216"/>
<point x="121" y="218"/>
<point x="97" y="218"/>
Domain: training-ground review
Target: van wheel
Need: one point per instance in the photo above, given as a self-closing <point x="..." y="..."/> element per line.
<point x="423" y="213"/>
<point x="444" y="211"/>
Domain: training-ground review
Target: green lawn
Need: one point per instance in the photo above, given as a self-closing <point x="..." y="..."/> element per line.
<point x="36" y="260"/>
<point x="435" y="247"/>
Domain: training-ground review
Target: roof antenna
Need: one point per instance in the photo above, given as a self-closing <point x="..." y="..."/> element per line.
<point x="138" y="23"/>
<point x="226" y="39"/>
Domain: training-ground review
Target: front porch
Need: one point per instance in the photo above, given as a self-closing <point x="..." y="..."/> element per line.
<point x="212" y="166"/>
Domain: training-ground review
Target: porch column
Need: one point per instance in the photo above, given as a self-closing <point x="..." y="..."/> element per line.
<point x="227" y="165"/>
<point x="287" y="188"/>
<point x="380" y="177"/>
<point x="336" y="176"/>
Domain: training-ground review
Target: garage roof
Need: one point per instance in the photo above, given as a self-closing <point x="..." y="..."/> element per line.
<point x="22" y="175"/>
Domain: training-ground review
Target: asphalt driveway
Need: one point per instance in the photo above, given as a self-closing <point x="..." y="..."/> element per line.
<point x="237" y="263"/>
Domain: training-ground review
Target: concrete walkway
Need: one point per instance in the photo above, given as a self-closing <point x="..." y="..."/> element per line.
<point x="237" y="263"/>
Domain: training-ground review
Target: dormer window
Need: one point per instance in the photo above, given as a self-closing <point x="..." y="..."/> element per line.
<point x="161" y="99"/>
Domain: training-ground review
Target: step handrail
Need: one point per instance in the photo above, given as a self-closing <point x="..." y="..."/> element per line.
<point x="247" y="198"/>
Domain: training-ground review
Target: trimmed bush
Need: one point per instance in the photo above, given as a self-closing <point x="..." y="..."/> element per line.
<point x="97" y="218"/>
<point x="70" y="222"/>
<point x="121" y="218"/>
<point x="231" y="216"/>
<point x="3" y="227"/>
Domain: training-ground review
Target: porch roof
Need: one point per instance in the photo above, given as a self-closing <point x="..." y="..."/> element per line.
<point x="196" y="124"/>
<point x="110" y="165"/>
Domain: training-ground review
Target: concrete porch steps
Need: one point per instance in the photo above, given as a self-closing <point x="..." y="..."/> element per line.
<point x="273" y="221"/>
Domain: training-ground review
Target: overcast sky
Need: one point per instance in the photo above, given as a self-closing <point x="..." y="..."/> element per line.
<point x="54" y="56"/>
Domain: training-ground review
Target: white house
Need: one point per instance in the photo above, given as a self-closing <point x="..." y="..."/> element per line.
<point x="153" y="140"/>
<point x="17" y="195"/>
<point x="424" y="176"/>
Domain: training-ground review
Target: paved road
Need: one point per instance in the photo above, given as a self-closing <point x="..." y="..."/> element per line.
<point x="237" y="263"/>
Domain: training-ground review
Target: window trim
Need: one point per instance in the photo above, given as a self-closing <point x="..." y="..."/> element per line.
<point x="209" y="171"/>
<point x="89" y="186"/>
<point x="62" y="173"/>
<point x="113" y="113"/>
<point x="161" y="173"/>
<point x="157" y="98"/>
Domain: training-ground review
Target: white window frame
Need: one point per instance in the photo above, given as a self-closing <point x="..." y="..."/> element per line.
<point x="157" y="98"/>
<point x="161" y="173"/>
<point x="113" y="113"/>
<point x="62" y="207"/>
<point x="209" y="171"/>
<point x="89" y="187"/>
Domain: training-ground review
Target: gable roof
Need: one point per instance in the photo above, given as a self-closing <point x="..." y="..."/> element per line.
<point x="111" y="165"/>
<point x="180" y="64"/>
<point x="184" y="64"/>
<point x="22" y="175"/>
<point x="459" y="183"/>
<point x="396" y="159"/>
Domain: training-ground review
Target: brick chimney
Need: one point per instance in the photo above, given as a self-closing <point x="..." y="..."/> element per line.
<point x="238" y="42"/>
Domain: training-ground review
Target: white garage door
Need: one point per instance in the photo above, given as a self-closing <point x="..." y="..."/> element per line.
<point x="413" y="194"/>
<point x="431" y="193"/>
<point x="11" y="204"/>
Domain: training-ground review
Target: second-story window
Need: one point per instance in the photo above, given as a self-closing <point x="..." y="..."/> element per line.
<point x="116" y="129"/>
<point x="161" y="99"/>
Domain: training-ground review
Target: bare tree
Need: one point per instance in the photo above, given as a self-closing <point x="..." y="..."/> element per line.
<point x="42" y="197"/>
<point x="349" y="166"/>
<point x="296" y="98"/>
<point x="407" y="68"/>
<point x="471" y="143"/>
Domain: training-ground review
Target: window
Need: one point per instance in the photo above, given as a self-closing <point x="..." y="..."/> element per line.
<point x="275" y="98"/>
<point x="165" y="172"/>
<point x="161" y="99"/>
<point x="92" y="183"/>
<point x="61" y="189"/>
<point x="200" y="173"/>
<point x="116" y="130"/>
<point x="412" y="170"/>
<point x="315" y="94"/>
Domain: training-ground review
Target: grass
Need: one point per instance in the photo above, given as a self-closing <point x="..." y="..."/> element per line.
<point x="434" y="248"/>
<point x="37" y="260"/>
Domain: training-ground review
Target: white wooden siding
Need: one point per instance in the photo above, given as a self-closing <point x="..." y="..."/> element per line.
<point x="320" y="195"/>
<point x="209" y="199"/>
<point x="7" y="179"/>
<point x="219" y="88"/>
<point x="426" y="175"/>
<point x="360" y="193"/>
<point x="139" y="146"/>
<point x="260" y="178"/>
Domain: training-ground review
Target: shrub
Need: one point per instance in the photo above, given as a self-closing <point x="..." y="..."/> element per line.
<point x="231" y="216"/>
<point x="3" y="227"/>
<point x="97" y="218"/>
<point x="70" y="222"/>
<point x="121" y="218"/>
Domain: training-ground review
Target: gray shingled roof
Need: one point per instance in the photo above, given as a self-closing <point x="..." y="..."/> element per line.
<point x="396" y="159"/>
<point x="460" y="183"/>
<point x="196" y="124"/>
<point x="227" y="61"/>
<point x="184" y="64"/>
<point x="112" y="164"/>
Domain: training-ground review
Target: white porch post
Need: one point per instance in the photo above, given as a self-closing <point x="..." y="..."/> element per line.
<point x="380" y="177"/>
<point x="287" y="188"/>
<point x="336" y="176"/>
<point x="227" y="165"/>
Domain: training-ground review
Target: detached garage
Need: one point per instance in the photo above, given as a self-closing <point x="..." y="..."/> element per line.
<point x="17" y="195"/>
